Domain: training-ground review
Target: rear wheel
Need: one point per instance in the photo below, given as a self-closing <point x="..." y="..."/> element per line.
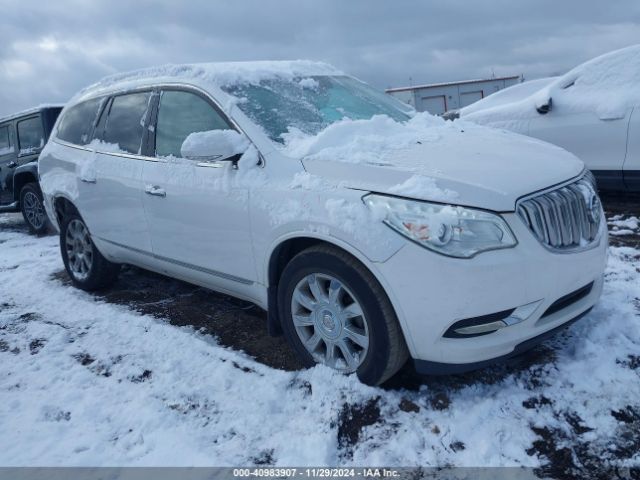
<point x="336" y="313"/>
<point x="86" y="266"/>
<point x="33" y="210"/>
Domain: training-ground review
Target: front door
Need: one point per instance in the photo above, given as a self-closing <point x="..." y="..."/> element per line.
<point x="197" y="214"/>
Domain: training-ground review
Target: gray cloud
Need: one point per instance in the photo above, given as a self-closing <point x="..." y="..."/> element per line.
<point x="50" y="51"/>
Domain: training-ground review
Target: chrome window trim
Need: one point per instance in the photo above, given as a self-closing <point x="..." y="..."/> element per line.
<point x="115" y="154"/>
<point x="153" y="87"/>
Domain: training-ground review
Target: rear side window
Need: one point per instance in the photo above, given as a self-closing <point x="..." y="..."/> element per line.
<point x="77" y="122"/>
<point x="30" y="135"/>
<point x="125" y="124"/>
<point x="6" y="145"/>
<point x="179" y="115"/>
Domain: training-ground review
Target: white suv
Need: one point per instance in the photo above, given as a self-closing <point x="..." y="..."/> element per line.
<point x="368" y="232"/>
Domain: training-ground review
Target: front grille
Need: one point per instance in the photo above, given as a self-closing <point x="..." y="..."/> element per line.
<point x="566" y="218"/>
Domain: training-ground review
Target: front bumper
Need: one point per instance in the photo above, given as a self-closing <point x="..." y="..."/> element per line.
<point x="425" y="367"/>
<point x="431" y="292"/>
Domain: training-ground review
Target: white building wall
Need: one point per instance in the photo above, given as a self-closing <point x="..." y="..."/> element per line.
<point x="439" y="98"/>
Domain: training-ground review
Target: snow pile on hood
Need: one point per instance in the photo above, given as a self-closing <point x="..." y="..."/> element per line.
<point x="607" y="85"/>
<point x="374" y="142"/>
<point x="365" y="141"/>
<point x="458" y="161"/>
<point x="222" y="73"/>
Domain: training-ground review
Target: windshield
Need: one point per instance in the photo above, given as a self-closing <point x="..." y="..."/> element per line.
<point x="310" y="104"/>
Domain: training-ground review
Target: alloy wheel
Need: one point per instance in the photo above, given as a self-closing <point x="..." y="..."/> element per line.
<point x="79" y="249"/>
<point x="330" y="322"/>
<point x="34" y="210"/>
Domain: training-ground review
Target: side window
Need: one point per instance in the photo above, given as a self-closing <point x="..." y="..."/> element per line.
<point x="6" y="145"/>
<point x="125" y="124"/>
<point x="30" y="135"/>
<point x="179" y="115"/>
<point x="75" y="125"/>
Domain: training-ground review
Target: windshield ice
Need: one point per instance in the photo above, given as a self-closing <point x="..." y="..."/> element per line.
<point x="311" y="104"/>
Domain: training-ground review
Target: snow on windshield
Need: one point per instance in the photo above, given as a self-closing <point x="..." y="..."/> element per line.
<point x="281" y="106"/>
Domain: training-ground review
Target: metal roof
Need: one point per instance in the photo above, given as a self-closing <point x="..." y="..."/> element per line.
<point x="448" y="84"/>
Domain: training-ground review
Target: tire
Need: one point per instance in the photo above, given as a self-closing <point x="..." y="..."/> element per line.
<point x="32" y="208"/>
<point x="323" y="269"/>
<point x="85" y="265"/>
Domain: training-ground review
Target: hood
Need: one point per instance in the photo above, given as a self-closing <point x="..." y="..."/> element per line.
<point x="460" y="163"/>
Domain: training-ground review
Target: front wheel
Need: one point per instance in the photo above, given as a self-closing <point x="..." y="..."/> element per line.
<point x="334" y="312"/>
<point x="32" y="209"/>
<point x="86" y="266"/>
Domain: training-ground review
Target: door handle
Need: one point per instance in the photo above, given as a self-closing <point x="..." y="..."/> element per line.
<point x="155" y="190"/>
<point x="86" y="180"/>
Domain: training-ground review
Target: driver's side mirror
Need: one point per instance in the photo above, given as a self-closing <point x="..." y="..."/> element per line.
<point x="214" y="146"/>
<point x="543" y="107"/>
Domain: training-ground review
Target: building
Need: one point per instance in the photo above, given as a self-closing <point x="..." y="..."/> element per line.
<point x="438" y="98"/>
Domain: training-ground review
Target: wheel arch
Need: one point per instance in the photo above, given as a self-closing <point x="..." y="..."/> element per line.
<point x="283" y="252"/>
<point x="63" y="206"/>
<point x="20" y="179"/>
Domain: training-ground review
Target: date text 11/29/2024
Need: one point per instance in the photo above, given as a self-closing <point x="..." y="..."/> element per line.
<point x="316" y="472"/>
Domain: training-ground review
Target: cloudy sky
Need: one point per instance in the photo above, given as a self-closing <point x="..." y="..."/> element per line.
<point x="52" y="49"/>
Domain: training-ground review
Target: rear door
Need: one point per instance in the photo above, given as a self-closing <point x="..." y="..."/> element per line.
<point x="110" y="180"/>
<point x="7" y="161"/>
<point x="198" y="215"/>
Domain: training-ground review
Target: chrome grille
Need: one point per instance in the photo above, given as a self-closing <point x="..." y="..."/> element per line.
<point x="566" y="218"/>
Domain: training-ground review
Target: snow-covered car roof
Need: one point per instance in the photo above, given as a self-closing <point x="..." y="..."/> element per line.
<point x="220" y="74"/>
<point x="607" y="84"/>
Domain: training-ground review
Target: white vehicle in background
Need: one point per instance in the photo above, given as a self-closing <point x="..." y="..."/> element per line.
<point x="505" y="96"/>
<point x="593" y="111"/>
<point x="368" y="232"/>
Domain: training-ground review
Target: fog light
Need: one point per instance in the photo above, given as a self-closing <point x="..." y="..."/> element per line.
<point x="474" y="327"/>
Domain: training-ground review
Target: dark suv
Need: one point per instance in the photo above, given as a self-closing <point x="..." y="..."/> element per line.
<point x="22" y="137"/>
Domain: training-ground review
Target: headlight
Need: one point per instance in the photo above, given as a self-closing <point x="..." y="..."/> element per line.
<point x="450" y="230"/>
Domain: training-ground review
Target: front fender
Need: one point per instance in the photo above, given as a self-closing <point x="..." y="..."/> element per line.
<point x="338" y="217"/>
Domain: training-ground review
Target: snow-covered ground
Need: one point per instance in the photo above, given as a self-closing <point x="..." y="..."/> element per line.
<point x="85" y="381"/>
